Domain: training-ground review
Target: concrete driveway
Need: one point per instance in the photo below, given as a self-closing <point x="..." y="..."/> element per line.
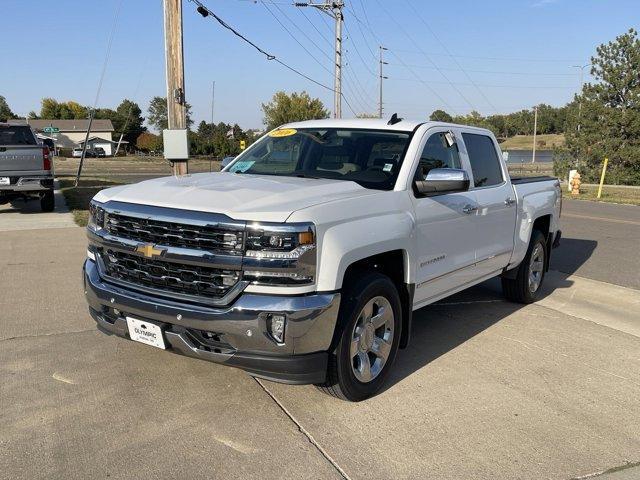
<point x="21" y="215"/>
<point x="487" y="390"/>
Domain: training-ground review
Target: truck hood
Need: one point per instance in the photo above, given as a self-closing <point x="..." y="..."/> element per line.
<point x="239" y="196"/>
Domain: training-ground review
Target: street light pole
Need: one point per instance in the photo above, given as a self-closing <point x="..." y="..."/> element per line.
<point x="581" y="67"/>
<point x="535" y="132"/>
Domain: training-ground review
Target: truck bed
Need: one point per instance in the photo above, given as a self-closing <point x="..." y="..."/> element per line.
<point x="521" y="180"/>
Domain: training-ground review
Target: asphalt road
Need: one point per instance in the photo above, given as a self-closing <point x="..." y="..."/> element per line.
<point x="600" y="241"/>
<point x="487" y="390"/>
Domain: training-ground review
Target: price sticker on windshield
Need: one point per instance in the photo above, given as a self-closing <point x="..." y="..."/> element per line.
<point x="241" y="167"/>
<point x="285" y="132"/>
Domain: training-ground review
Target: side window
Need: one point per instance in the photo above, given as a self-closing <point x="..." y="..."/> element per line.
<point x="437" y="154"/>
<point x="484" y="160"/>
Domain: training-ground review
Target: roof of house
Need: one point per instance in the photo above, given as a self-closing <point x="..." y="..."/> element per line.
<point x="97" y="125"/>
<point x="101" y="140"/>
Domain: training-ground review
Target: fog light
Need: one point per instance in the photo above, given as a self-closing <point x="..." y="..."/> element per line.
<point x="276" y="325"/>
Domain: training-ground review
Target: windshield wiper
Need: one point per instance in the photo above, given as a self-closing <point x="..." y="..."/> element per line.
<point x="304" y="175"/>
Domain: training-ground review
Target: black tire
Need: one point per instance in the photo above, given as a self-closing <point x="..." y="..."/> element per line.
<point x="341" y="380"/>
<point x="518" y="289"/>
<point x="47" y="201"/>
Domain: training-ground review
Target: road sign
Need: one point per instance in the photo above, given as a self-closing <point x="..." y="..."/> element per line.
<point x="51" y="129"/>
<point x="243" y="144"/>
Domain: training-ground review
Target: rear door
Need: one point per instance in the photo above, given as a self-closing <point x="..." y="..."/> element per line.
<point x="495" y="219"/>
<point x="445" y="246"/>
<point x="19" y="149"/>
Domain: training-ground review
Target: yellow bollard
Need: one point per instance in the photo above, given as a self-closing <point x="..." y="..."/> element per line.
<point x="604" y="171"/>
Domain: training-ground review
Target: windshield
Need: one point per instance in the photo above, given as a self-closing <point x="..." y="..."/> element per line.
<point x="371" y="158"/>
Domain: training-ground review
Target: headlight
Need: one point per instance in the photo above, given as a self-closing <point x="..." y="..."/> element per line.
<point x="280" y="254"/>
<point x="96" y="216"/>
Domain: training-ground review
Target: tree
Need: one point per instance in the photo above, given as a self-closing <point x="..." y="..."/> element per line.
<point x="5" y="111"/>
<point x="52" y="109"/>
<point x="296" y="107"/>
<point x="440" y="116"/>
<point x="608" y="112"/>
<point x="157" y="113"/>
<point x="149" y="142"/>
<point x="129" y="121"/>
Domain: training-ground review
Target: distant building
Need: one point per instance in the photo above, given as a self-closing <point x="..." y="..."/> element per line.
<point x="73" y="132"/>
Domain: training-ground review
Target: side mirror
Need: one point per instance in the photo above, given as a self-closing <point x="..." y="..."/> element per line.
<point x="443" y="180"/>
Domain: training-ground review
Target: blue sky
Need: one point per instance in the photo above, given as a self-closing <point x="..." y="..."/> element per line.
<point x="498" y="55"/>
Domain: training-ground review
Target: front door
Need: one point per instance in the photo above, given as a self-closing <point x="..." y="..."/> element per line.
<point x="445" y="244"/>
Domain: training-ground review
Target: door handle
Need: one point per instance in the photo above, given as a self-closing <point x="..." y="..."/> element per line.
<point x="509" y="201"/>
<point x="468" y="209"/>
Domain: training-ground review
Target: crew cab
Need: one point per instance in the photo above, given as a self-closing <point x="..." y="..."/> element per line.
<point x="304" y="259"/>
<point x="26" y="167"/>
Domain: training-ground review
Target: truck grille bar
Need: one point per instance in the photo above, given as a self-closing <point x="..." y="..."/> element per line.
<point x="200" y="260"/>
<point x="169" y="277"/>
<point x="214" y="239"/>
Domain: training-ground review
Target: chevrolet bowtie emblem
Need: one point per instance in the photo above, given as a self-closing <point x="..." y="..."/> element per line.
<point x="148" y="250"/>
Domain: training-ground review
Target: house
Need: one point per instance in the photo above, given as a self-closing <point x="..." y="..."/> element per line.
<point x="72" y="133"/>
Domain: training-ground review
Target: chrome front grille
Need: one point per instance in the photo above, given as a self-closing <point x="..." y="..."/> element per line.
<point x="227" y="240"/>
<point x="194" y="281"/>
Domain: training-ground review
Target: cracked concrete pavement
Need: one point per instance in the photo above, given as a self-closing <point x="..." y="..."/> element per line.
<point x="488" y="389"/>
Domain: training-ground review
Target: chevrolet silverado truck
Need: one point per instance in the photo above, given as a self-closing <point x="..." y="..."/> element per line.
<point x="304" y="259"/>
<point x="26" y="169"/>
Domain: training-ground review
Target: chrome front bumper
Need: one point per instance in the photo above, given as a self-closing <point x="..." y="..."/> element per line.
<point x="241" y="327"/>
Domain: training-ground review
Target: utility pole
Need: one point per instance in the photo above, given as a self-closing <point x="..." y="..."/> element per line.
<point x="535" y="131"/>
<point x="333" y="8"/>
<point x="213" y="99"/>
<point x="176" y="105"/>
<point x="382" y="77"/>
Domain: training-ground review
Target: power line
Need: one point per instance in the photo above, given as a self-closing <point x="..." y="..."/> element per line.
<point x="206" y="12"/>
<point x="315" y="27"/>
<point x="417" y="45"/>
<point x="99" y="89"/>
<point x="444" y="47"/>
<point x="543" y="74"/>
<point x="338" y="91"/>
<point x="562" y="87"/>
<point x="497" y="59"/>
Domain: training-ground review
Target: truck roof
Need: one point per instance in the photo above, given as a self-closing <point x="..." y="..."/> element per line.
<point x="373" y="124"/>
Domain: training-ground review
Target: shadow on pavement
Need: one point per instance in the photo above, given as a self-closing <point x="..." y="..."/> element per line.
<point x="572" y="254"/>
<point x="442" y="326"/>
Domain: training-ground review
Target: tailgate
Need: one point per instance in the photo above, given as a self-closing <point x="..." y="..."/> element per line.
<point x="19" y="149"/>
<point x="20" y="158"/>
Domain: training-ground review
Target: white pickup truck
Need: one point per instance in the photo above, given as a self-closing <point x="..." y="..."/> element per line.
<point x="303" y="260"/>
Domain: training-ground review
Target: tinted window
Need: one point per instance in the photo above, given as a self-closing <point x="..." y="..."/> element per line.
<point x="371" y="158"/>
<point x="484" y="160"/>
<point x="437" y="154"/>
<point x="16" y="135"/>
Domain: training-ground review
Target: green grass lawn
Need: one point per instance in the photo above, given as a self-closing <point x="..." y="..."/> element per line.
<point x="525" y="142"/>
<point x="78" y="198"/>
<point x="611" y="194"/>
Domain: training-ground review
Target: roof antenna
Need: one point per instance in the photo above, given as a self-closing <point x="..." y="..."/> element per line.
<point x="394" y="119"/>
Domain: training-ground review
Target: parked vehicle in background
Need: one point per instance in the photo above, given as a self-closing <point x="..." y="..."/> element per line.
<point x="226" y="161"/>
<point x="99" y="152"/>
<point x="76" y="153"/>
<point x="26" y="167"/>
<point x="303" y="260"/>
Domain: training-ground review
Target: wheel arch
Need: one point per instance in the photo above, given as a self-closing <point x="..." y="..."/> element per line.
<point x="393" y="264"/>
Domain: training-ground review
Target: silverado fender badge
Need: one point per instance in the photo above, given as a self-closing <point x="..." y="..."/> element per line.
<point x="148" y="250"/>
